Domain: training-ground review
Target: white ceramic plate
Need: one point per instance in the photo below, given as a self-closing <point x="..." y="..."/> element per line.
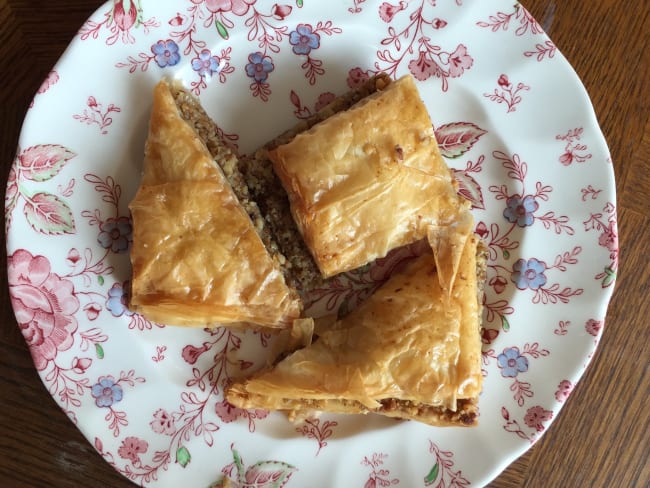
<point x="513" y="120"/>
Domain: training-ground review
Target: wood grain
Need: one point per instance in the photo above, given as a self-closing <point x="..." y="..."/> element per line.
<point x="600" y="438"/>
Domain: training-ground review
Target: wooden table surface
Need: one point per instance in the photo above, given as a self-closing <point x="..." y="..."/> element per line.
<point x="600" y="439"/>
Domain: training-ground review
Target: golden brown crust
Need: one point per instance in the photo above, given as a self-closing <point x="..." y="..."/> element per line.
<point x="197" y="258"/>
<point x="367" y="180"/>
<point x="412" y="350"/>
<point x="265" y="188"/>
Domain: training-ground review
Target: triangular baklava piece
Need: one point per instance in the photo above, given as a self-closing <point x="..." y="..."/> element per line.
<point x="197" y="257"/>
<point x="412" y="351"/>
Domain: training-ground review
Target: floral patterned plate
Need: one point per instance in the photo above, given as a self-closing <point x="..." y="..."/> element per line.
<point x="511" y="118"/>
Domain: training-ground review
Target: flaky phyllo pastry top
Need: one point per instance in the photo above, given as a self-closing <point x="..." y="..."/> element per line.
<point x="196" y="257"/>
<point x="412" y="341"/>
<point x="368" y="179"/>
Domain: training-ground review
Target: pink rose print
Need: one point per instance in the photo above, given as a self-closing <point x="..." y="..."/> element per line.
<point x="593" y="327"/>
<point x="44" y="304"/>
<point x="163" y="423"/>
<point x="535" y="416"/>
<point x="131" y="449"/>
<point x="564" y="389"/>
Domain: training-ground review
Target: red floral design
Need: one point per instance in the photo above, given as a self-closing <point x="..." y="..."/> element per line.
<point x="564" y="389"/>
<point x="542" y="50"/>
<point x="379" y="476"/>
<point x="80" y="365"/>
<point x="192" y="353"/>
<point x="131" y="449"/>
<point x="324" y="99"/>
<point x="227" y="412"/>
<point x="501" y="21"/>
<point x="44" y="304"/>
<point x="280" y="12"/>
<point x="459" y="61"/>
<point x="499" y="284"/>
<point x="313" y="429"/>
<point x="95" y="115"/>
<point x="92" y="310"/>
<point x="574" y="151"/>
<point x="594" y="327"/>
<point x="387" y="10"/>
<point x="237" y="7"/>
<point x="120" y="19"/>
<point x="45" y="212"/>
<point x="51" y="79"/>
<point x="163" y="423"/>
<point x="441" y="474"/>
<point x="262" y="474"/>
<point x="357" y="77"/>
<point x="535" y="416"/>
<point x="509" y="94"/>
<point x="608" y="239"/>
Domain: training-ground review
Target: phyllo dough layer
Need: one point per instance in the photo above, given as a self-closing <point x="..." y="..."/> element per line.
<point x="197" y="258"/>
<point x="368" y="179"/>
<point x="412" y="350"/>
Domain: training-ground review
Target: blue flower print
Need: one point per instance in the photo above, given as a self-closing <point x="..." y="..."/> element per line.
<point x="303" y="39"/>
<point x="106" y="391"/>
<point x="529" y="274"/>
<point x="166" y="53"/>
<point x="205" y="64"/>
<point x="511" y="362"/>
<point x="117" y="301"/>
<point x="259" y="66"/>
<point x="115" y="234"/>
<point x="520" y="210"/>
